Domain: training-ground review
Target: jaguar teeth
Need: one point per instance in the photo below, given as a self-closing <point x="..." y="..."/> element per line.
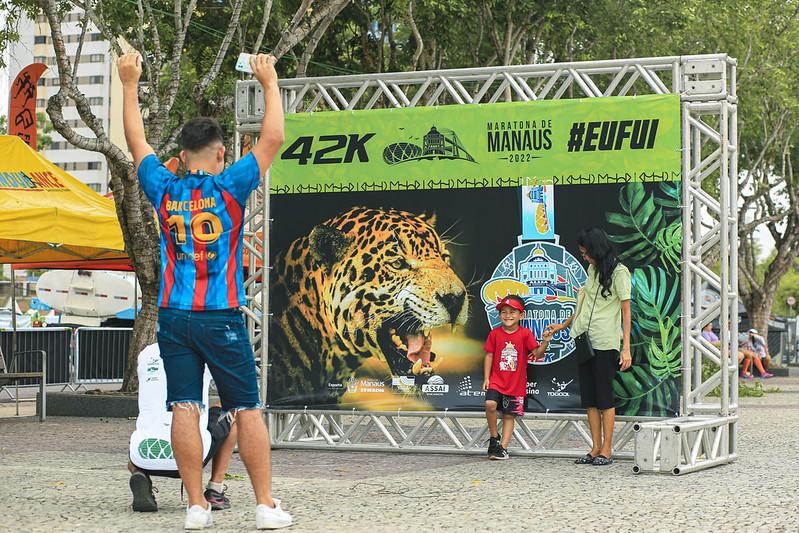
<point x="426" y="333"/>
<point x="454" y="329"/>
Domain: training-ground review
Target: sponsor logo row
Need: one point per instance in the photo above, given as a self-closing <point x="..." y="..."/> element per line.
<point x="436" y="386"/>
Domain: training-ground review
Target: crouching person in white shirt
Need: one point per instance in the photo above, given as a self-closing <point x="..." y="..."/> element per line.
<point x="150" y="446"/>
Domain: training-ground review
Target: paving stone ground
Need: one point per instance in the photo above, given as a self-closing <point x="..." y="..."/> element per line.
<point x="68" y="474"/>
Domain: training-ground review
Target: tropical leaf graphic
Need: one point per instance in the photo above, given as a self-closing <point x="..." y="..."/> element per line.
<point x="650" y="386"/>
<point x="664" y="357"/>
<point x="671" y="201"/>
<point x="655" y="299"/>
<point x="655" y="228"/>
<point x="639" y="392"/>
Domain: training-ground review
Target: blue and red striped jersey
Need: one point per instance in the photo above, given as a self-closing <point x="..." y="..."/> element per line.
<point x="200" y="217"/>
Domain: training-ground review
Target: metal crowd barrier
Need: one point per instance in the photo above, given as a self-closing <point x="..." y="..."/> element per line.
<point x="56" y="342"/>
<point x="101" y="354"/>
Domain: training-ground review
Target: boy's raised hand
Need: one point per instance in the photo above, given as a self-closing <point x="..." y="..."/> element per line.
<point x="129" y="66"/>
<point x="263" y="68"/>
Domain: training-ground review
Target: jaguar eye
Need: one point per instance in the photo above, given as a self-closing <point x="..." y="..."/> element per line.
<point x="399" y="264"/>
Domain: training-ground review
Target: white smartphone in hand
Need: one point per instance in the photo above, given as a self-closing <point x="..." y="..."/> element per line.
<point x="243" y="63"/>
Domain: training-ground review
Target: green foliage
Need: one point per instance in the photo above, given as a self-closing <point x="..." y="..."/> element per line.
<point x="11" y="12"/>
<point x="789" y="286"/>
<point x="754" y="390"/>
<point x="651" y="235"/>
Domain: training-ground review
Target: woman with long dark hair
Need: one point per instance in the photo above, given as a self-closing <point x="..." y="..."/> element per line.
<point x="603" y="314"/>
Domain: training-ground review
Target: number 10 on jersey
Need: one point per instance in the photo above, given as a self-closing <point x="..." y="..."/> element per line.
<point x="205" y="228"/>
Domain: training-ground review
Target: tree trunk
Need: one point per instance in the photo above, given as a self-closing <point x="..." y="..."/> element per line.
<point x="758" y="307"/>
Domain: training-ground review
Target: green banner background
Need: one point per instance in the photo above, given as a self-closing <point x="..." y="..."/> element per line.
<point x="491" y="145"/>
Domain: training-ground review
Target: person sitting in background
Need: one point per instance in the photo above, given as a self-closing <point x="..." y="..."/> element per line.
<point x="151" y="447"/>
<point x="709" y="335"/>
<point x="752" y="358"/>
<point x="760" y="346"/>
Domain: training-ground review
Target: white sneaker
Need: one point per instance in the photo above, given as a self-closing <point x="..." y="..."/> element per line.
<point x="198" y="518"/>
<point x="271" y="518"/>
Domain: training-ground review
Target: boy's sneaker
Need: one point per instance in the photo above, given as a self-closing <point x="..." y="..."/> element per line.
<point x="494" y="445"/>
<point x="767" y="375"/>
<point x="501" y="455"/>
<point x="198" y="518"/>
<point x="271" y="517"/>
<point x="142" y="488"/>
<point x="218" y="500"/>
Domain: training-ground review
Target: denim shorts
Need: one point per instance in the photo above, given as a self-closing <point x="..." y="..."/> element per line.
<point x="189" y="340"/>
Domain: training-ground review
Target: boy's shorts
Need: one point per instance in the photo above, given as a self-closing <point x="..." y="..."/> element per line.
<point x="509" y="405"/>
<point x="189" y="340"/>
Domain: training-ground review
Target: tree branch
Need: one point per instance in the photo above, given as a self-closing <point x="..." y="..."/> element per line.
<point x="416" y="36"/>
<point x="313" y="42"/>
<point x="79" y="50"/>
<point x="297" y="32"/>
<point x="158" y="122"/>
<point x="264" y="23"/>
<point x="213" y="72"/>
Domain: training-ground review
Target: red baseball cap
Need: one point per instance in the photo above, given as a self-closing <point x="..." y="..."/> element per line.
<point x="512" y="302"/>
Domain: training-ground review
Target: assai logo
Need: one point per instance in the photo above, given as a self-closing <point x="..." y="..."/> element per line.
<point x="547" y="277"/>
<point x="435" y="386"/>
<point x="559" y="388"/>
<point x="438" y="143"/>
<point x="465" y="388"/>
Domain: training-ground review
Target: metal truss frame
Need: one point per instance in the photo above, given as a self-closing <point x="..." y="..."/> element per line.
<point x="536" y="434"/>
<point x="706" y="85"/>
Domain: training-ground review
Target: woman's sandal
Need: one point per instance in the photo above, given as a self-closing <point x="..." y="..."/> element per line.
<point x="601" y="460"/>
<point x="586" y="459"/>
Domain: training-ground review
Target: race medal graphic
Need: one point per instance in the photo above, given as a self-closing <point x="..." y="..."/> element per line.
<point x="547" y="278"/>
<point x="538" y="212"/>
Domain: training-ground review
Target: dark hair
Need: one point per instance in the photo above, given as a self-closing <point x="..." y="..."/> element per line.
<point x="200" y="132"/>
<point x="598" y="246"/>
<point x="515" y="298"/>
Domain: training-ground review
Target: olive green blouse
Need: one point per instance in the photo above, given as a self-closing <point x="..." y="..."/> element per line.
<point x="605" y="330"/>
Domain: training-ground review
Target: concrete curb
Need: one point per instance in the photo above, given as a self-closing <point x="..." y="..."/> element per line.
<point x="91" y="405"/>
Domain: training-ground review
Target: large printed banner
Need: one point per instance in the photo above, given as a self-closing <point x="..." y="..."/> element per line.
<point x="615" y="139"/>
<point x="391" y="250"/>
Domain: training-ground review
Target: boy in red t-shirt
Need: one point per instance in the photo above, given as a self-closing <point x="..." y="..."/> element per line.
<point x="508" y="349"/>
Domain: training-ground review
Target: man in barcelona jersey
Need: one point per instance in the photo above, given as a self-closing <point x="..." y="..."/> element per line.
<point x="199" y="321"/>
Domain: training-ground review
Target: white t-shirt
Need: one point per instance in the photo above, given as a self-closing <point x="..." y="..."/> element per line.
<point x="150" y="444"/>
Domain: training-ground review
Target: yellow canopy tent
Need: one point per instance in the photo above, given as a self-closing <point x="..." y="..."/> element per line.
<point x="47" y="216"/>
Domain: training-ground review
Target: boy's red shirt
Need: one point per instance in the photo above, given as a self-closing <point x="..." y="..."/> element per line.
<point x="511" y="353"/>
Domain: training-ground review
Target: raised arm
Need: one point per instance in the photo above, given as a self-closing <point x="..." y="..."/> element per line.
<point x="272" y="136"/>
<point x="129" y="66"/>
<point x="545" y="338"/>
